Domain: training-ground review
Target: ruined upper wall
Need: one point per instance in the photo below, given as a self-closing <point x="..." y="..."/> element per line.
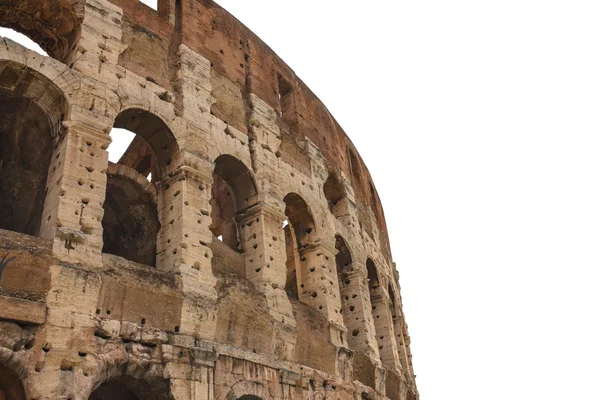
<point x="241" y="64"/>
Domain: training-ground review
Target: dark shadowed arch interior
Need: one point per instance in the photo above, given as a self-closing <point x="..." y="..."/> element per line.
<point x="233" y="192"/>
<point x="372" y="277"/>
<point x="335" y="195"/>
<point x="11" y="387"/>
<point x="127" y="388"/>
<point x="299" y="228"/>
<point x="53" y="24"/>
<point x="130" y="220"/>
<point x="249" y="397"/>
<point x="32" y="109"/>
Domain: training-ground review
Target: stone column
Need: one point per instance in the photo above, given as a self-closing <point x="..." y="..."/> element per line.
<point x="318" y="286"/>
<point x="384" y="329"/>
<point x="73" y="209"/>
<point x="183" y="245"/>
<point x="357" y="313"/>
<point x="263" y="242"/>
<point x="192" y="378"/>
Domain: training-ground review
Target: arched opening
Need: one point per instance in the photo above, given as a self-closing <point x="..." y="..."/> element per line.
<point x="11" y="387"/>
<point x="53" y="25"/>
<point x="143" y="148"/>
<point x="249" y="397"/>
<point x="127" y="388"/>
<point x="298" y="229"/>
<point x="23" y="40"/>
<point x="32" y="110"/>
<point x="233" y="192"/>
<point x="336" y="196"/>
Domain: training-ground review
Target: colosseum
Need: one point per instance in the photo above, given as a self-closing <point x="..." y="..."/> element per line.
<point x="237" y="250"/>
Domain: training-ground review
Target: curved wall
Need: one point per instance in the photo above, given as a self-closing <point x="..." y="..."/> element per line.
<point x="237" y="250"/>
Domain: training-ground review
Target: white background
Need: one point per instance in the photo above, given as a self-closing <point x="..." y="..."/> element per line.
<point x="479" y="121"/>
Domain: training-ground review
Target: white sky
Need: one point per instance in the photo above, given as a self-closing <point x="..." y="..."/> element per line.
<point x="479" y="121"/>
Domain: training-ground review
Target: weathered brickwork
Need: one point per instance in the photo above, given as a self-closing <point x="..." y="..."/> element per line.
<point x="237" y="251"/>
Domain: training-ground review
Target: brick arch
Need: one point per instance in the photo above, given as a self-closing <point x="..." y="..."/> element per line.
<point x="248" y="390"/>
<point x="53" y="24"/>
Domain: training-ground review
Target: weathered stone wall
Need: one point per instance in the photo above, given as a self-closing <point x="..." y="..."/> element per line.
<point x="254" y="262"/>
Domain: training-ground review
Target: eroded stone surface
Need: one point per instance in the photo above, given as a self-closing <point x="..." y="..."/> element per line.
<point x="238" y="249"/>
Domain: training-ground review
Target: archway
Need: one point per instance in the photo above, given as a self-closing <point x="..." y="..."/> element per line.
<point x="54" y="25"/>
<point x="299" y="229"/>
<point x="128" y="388"/>
<point x="335" y="195"/>
<point x="131" y="217"/>
<point x="11" y="387"/>
<point x="233" y="193"/>
<point x="32" y="108"/>
<point x="249" y="397"/>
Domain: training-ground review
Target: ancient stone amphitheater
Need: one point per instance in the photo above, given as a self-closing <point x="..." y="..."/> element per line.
<point x="238" y="250"/>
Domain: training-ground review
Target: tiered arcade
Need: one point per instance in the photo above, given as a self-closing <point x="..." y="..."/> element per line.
<point x="237" y="250"/>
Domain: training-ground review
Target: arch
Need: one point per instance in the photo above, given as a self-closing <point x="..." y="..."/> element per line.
<point x="299" y="230"/>
<point x="247" y="390"/>
<point x="128" y="388"/>
<point x="11" y="387"/>
<point x="158" y="141"/>
<point x="335" y="194"/>
<point x="130" y="223"/>
<point x="33" y="109"/>
<point x="372" y="276"/>
<point x="53" y="25"/>
<point x="233" y="192"/>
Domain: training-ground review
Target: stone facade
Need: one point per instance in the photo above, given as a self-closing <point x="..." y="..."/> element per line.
<point x="254" y="264"/>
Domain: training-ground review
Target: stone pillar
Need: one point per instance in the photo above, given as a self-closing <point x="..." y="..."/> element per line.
<point x="183" y="245"/>
<point x="100" y="44"/>
<point x="192" y="378"/>
<point x="384" y="329"/>
<point x="73" y="209"/>
<point x="263" y="242"/>
<point x="318" y="286"/>
<point x="356" y="310"/>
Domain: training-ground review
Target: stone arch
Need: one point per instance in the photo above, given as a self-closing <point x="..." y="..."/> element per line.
<point x="335" y="194"/>
<point x="233" y="192"/>
<point x="299" y="233"/>
<point x="130" y="223"/>
<point x="246" y="390"/>
<point x="129" y="388"/>
<point x="155" y="139"/>
<point x="132" y="207"/>
<point x="11" y="385"/>
<point x="54" y="24"/>
<point x="33" y="109"/>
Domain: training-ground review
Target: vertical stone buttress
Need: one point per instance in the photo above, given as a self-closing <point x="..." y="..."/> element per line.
<point x="264" y="249"/>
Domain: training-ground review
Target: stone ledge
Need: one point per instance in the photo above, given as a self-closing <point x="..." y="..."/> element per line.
<point x="23" y="311"/>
